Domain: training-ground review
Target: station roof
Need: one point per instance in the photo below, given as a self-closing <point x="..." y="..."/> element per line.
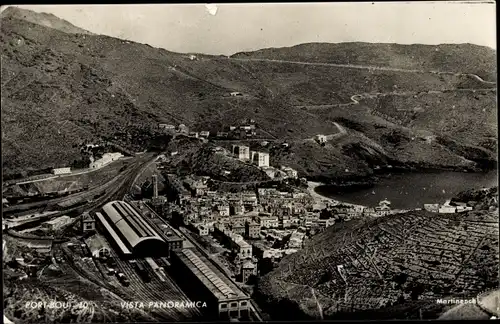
<point x="210" y="276"/>
<point x="126" y="226"/>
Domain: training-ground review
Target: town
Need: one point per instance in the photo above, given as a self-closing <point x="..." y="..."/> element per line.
<point x="222" y="163"/>
<point x="235" y="235"/>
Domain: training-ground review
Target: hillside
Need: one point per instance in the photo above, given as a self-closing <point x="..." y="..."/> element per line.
<point x="467" y="58"/>
<point x="388" y="267"/>
<point x="44" y="19"/>
<point x="61" y="89"/>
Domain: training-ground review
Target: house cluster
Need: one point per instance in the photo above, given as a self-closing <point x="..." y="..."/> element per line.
<point x="106" y="159"/>
<point x="448" y="207"/>
<point x="183" y="130"/>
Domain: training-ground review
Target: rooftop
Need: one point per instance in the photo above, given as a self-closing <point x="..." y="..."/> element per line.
<point x="210" y="276"/>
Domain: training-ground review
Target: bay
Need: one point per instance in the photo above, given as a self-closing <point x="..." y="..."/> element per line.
<point x="412" y="190"/>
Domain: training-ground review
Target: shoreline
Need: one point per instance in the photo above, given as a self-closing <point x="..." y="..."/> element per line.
<point x="320" y="200"/>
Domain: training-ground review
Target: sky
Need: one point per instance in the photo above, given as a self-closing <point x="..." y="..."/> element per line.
<point x="232" y="28"/>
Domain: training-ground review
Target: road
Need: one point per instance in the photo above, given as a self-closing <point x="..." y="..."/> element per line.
<point x="355" y="99"/>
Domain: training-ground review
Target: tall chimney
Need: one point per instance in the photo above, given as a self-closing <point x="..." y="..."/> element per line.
<point x="155" y="186"/>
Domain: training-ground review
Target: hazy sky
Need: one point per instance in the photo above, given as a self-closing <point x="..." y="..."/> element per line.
<point x="243" y="27"/>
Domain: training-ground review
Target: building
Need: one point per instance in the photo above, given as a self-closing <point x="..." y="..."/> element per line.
<point x="88" y="223"/>
<point x="223" y="210"/>
<point x="57" y="223"/>
<point x="238" y="228"/>
<point x="447" y="209"/>
<point x="183" y="129"/>
<point x="248" y="269"/>
<point x="155" y="186"/>
<point x="434" y="208"/>
<point x="236" y="209"/>
<point x="194" y="134"/>
<point x="260" y="158"/>
<point x="320" y="138"/>
<point x="268" y="221"/>
<point x="204" y="134"/>
<point x="241" y="152"/>
<point x="243" y="249"/>
<point x="166" y="127"/>
<point x="202" y="230"/>
<point x="61" y="171"/>
<point x="98" y="246"/>
<point x="105" y="160"/>
<point x="252" y="230"/>
<point x="236" y="94"/>
<point x="202" y="280"/>
<point x="290" y="173"/>
<point x="130" y="232"/>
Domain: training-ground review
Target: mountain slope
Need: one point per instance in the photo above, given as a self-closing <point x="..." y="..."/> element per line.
<point x="61" y="89"/>
<point x="392" y="264"/>
<point x="43" y="19"/>
<point x="467" y="58"/>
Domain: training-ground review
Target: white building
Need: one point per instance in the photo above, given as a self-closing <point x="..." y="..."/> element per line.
<point x="166" y="127"/>
<point x="434" y="208"/>
<point x="105" y="160"/>
<point x="241" y="152"/>
<point x="320" y="138"/>
<point x="202" y="230"/>
<point x="205" y="134"/>
<point x="244" y="250"/>
<point x="269" y="221"/>
<point x="61" y="171"/>
<point x="223" y="210"/>
<point x="57" y="223"/>
<point x="447" y="209"/>
<point x="260" y="158"/>
<point x="236" y="94"/>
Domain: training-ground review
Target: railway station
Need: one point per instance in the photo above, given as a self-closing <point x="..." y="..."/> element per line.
<point x="204" y="282"/>
<point x="127" y="230"/>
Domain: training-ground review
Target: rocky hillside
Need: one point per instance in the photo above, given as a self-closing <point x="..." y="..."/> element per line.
<point x="61" y="88"/>
<point x="389" y="267"/>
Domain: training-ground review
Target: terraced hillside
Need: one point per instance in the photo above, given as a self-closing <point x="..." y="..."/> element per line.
<point x="394" y="265"/>
<point x="60" y="89"/>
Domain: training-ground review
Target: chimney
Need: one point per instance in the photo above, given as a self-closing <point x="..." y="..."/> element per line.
<point x="155" y="186"/>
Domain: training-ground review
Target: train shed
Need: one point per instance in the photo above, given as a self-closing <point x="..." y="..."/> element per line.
<point x="206" y="283"/>
<point x="131" y="235"/>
